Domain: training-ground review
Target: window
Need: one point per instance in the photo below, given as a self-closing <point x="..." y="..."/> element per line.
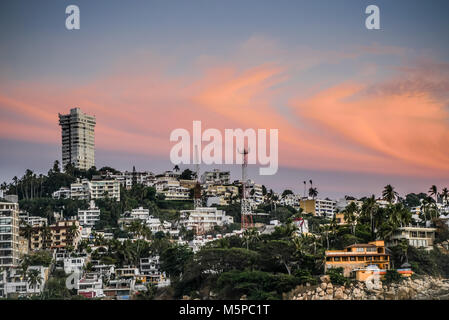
<point x="352" y="258"/>
<point x="360" y="250"/>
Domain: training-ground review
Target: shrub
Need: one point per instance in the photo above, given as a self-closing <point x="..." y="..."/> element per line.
<point x="392" y="275"/>
<point x="336" y="276"/>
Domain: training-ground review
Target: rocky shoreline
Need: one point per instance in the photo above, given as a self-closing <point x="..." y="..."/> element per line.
<point x="422" y="288"/>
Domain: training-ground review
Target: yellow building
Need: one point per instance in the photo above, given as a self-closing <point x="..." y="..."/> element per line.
<point x="58" y="236"/>
<point x="358" y="256"/>
<point x="308" y="206"/>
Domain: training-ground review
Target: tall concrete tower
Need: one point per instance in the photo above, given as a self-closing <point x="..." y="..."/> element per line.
<point x="78" y="139"/>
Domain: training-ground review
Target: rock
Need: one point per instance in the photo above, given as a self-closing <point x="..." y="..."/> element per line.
<point x="389" y="295"/>
<point x="243" y="297"/>
<point x="185" y="298"/>
<point x="338" y="294"/>
<point x="345" y="297"/>
<point x="321" y="293"/>
<point x="323" y="285"/>
<point x="403" y="293"/>
<point x="329" y="291"/>
<point x="325" y="279"/>
<point x="318" y="290"/>
<point x="329" y="285"/>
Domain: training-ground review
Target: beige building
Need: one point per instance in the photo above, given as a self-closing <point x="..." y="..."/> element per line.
<point x="9" y="234"/>
<point x="419" y="237"/>
<point x="58" y="236"/>
<point x="78" y="139"/>
<point x="319" y="207"/>
<point x="358" y="256"/>
<point x="95" y="189"/>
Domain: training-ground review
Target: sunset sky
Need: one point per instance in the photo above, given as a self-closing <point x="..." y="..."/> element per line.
<point x="356" y="109"/>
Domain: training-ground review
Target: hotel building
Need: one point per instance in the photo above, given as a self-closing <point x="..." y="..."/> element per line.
<point x="78" y="139"/>
<point x="358" y="256"/>
<point x="9" y="234"/>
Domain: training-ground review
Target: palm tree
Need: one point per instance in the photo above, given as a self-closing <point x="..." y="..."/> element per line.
<point x="349" y="214"/>
<point x="325" y="229"/>
<point x="305" y="183"/>
<point x="45" y="234"/>
<point x="433" y="191"/>
<point x="369" y="208"/>
<point x="389" y="194"/>
<point x="72" y="233"/>
<point x="176" y="168"/>
<point x="444" y="194"/>
<point x="250" y="236"/>
<point x="27" y="231"/>
<point x="34" y="278"/>
<point x="313" y="192"/>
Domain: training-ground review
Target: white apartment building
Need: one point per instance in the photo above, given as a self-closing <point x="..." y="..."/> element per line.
<point x="91" y="286"/>
<point x="9" y="234"/>
<point x="95" y="189"/>
<point x="216" y="177"/>
<point x="62" y="193"/>
<point x="14" y="284"/>
<point x="254" y="193"/>
<point x="319" y="207"/>
<point x="78" y="139"/>
<point x="150" y="267"/>
<point x="204" y="219"/>
<point x="291" y="200"/>
<point x="140" y="214"/>
<point x="74" y="265"/>
<point x="419" y="237"/>
<point x="343" y="203"/>
<point x="88" y="218"/>
<point x="24" y="217"/>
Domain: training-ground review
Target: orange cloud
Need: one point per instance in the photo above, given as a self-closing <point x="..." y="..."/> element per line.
<point x="408" y="130"/>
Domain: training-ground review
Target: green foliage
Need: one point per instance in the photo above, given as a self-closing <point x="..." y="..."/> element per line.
<point x="257" y="285"/>
<point x="392" y="276"/>
<point x="304" y="276"/>
<point x="187" y="174"/>
<point x="222" y="260"/>
<point x="336" y="276"/>
<point x="174" y="259"/>
<point x="38" y="258"/>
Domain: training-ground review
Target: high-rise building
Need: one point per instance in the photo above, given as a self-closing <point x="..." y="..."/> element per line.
<point x="78" y="139"/>
<point x="9" y="234"/>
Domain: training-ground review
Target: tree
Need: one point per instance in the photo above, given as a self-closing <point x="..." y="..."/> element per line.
<point x="27" y="231"/>
<point x="250" y="236"/>
<point x="174" y="259"/>
<point x="313" y="192"/>
<point x="72" y="233"/>
<point x="187" y="174"/>
<point x="369" y="209"/>
<point x="350" y="213"/>
<point x="34" y="278"/>
<point x="433" y="191"/>
<point x="176" y="168"/>
<point x="389" y="194"/>
<point x="286" y="192"/>
<point x="444" y="194"/>
<point x="45" y="233"/>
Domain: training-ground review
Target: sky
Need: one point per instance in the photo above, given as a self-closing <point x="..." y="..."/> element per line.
<point x="356" y="109"/>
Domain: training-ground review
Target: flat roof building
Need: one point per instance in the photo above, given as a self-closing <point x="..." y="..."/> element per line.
<point x="78" y="139"/>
